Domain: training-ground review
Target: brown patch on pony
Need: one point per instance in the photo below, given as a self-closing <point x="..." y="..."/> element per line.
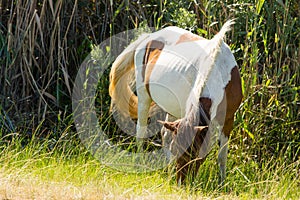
<point x="153" y="50"/>
<point x="234" y="96"/>
<point x="189" y="37"/>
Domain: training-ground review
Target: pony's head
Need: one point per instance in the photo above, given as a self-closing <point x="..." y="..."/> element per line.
<point x="185" y="143"/>
<point x="189" y="132"/>
<point x="185" y="156"/>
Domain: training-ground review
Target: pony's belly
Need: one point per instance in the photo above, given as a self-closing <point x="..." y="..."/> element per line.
<point x="170" y="83"/>
<point x="171" y="95"/>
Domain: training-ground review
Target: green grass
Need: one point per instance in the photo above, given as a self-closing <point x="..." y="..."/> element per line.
<point x="65" y="172"/>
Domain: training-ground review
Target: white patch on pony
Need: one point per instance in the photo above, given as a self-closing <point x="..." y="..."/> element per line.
<point x="174" y="75"/>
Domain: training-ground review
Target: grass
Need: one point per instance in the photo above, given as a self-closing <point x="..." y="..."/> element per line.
<point x="64" y="172"/>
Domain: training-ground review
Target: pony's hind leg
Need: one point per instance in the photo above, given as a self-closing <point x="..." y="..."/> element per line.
<point x="222" y="157"/>
<point x="144" y="103"/>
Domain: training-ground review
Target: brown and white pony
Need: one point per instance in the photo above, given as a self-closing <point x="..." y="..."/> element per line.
<point x="194" y="80"/>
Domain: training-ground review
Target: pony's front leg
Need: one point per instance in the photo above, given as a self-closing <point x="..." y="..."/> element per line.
<point x="144" y="103"/>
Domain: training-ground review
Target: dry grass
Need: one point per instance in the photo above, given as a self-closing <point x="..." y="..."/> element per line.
<point x="27" y="187"/>
<point x="17" y="187"/>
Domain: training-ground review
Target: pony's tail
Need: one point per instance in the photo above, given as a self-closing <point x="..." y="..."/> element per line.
<point x="217" y="40"/>
<point x="121" y="78"/>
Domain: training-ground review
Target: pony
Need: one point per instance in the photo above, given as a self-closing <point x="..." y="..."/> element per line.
<point x="196" y="81"/>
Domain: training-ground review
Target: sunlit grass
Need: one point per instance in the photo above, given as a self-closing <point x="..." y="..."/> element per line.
<point x="35" y="172"/>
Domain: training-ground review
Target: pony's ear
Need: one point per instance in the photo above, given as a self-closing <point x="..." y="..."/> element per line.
<point x="172" y="126"/>
<point x="199" y="129"/>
